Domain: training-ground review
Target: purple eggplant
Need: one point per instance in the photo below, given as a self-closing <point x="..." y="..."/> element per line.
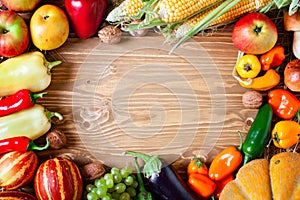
<point x="163" y="181"/>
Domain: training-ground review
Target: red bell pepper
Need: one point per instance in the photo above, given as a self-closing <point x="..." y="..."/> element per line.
<point x="272" y="58"/>
<point x="86" y="16"/>
<point x="284" y="103"/>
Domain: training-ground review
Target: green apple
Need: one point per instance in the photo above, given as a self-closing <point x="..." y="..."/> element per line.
<point x="254" y="33"/>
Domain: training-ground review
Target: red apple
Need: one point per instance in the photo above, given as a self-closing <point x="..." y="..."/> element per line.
<point x="14" y="34"/>
<point x="21" y="5"/>
<point x="254" y="33"/>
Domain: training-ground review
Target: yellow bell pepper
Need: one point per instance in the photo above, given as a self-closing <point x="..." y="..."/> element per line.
<point x="285" y="134"/>
<point x="27" y="71"/>
<point x="269" y="80"/>
<point x="32" y="123"/>
<point x="248" y="66"/>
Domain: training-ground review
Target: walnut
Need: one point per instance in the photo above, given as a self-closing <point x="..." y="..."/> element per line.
<point x="92" y="171"/>
<point x="56" y="138"/>
<point x="252" y="99"/>
<point x="110" y="34"/>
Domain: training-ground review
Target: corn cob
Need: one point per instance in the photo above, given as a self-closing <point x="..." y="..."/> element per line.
<point x="239" y="9"/>
<point x="125" y="10"/>
<point x="174" y="10"/>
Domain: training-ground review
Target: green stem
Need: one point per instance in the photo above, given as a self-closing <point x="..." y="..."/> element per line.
<point x="32" y="146"/>
<point x="241" y="141"/>
<point x="152" y="165"/>
<point x="34" y="97"/>
<point x="298" y="115"/>
<point x="139" y="176"/>
<point x="220" y="10"/>
<point x="52" y="64"/>
<point x="50" y="114"/>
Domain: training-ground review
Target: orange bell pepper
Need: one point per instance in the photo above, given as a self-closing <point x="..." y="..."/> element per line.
<point x="226" y="162"/>
<point x="284" y="103"/>
<point x="221" y="184"/>
<point x="272" y="58"/>
<point x="196" y="166"/>
<point x="265" y="82"/>
<point x="201" y="184"/>
<point x="285" y="134"/>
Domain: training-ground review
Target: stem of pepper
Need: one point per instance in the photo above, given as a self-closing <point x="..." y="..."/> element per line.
<point x="34" y="97"/>
<point x="50" y="65"/>
<point x="32" y="146"/>
<point x="50" y="114"/>
<point x="241" y="141"/>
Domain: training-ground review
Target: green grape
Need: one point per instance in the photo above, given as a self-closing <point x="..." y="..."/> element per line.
<point x="115" y="195"/>
<point x="94" y="190"/>
<point x="120" y="188"/>
<point x="89" y="187"/>
<point x="131" y="191"/>
<point x="111" y="190"/>
<point x="108" y="176"/>
<point x="115" y="170"/>
<point x="124" y="196"/>
<point x="135" y="184"/>
<point x="133" y="176"/>
<point x="101" y="191"/>
<point x="128" y="180"/>
<point x="99" y="182"/>
<point x="126" y="171"/>
<point x="92" y="196"/>
<point x="110" y="183"/>
<point x="117" y="178"/>
<point x="106" y="197"/>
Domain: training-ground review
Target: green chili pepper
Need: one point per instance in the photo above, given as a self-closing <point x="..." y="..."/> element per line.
<point x="258" y="135"/>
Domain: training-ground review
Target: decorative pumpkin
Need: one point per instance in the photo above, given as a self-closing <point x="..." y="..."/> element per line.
<point x="278" y="179"/>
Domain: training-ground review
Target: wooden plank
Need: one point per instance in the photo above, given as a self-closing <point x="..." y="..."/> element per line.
<point x="135" y="96"/>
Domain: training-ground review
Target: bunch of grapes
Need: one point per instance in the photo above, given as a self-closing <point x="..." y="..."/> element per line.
<point x="117" y="184"/>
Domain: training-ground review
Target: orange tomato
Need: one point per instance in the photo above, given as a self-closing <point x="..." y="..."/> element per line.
<point x="196" y="166"/>
<point x="49" y="27"/>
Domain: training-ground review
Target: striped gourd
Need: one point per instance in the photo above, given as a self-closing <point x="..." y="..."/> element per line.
<point x="58" y="178"/>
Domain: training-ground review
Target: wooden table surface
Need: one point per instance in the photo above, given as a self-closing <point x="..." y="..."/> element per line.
<point x="135" y="96"/>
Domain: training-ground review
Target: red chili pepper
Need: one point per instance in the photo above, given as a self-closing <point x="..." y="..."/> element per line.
<point x="221" y="184"/>
<point x="20" y="100"/>
<point x="86" y="16"/>
<point x="272" y="58"/>
<point x="201" y="184"/>
<point x="20" y="143"/>
<point x="284" y="103"/>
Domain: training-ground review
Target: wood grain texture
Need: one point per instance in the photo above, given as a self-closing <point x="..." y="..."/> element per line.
<point x="135" y="96"/>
